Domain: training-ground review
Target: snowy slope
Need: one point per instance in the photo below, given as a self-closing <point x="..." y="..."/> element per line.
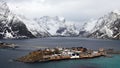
<point x="107" y="26"/>
<point x="88" y="26"/>
<point x="36" y="29"/>
<point x="57" y="26"/>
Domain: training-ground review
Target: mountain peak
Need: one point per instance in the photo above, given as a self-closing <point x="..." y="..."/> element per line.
<point x="4" y="9"/>
<point x="116" y="11"/>
<point x="55" y="18"/>
<point x="107" y="27"/>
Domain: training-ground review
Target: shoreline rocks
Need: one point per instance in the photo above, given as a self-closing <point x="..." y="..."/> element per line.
<point x="7" y="45"/>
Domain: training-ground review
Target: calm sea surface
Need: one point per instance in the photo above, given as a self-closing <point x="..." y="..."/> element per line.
<point x="28" y="45"/>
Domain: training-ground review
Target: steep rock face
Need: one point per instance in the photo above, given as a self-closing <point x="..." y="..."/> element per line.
<point x="19" y="29"/>
<point x="35" y="29"/>
<point x="107" y="27"/>
<point x="10" y="25"/>
<point x="14" y="29"/>
<point x="13" y="26"/>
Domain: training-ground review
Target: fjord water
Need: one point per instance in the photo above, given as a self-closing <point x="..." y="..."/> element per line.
<point x="28" y="45"/>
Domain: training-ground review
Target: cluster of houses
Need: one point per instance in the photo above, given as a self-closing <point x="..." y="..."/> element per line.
<point x="71" y="53"/>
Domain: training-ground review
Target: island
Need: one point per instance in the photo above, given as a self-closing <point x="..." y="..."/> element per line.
<point x="58" y="53"/>
<point x="7" y="45"/>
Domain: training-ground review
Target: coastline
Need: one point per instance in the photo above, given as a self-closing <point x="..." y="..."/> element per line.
<point x="58" y="54"/>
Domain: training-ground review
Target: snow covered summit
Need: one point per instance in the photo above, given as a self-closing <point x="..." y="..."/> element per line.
<point x="57" y="26"/>
<point x="106" y="27"/>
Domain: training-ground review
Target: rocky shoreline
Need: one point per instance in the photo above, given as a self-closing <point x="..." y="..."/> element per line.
<point x="7" y="45"/>
<point x="57" y="54"/>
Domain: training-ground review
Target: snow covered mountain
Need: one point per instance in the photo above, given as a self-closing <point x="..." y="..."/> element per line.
<point x="57" y="26"/>
<point x="16" y="26"/>
<point x="107" y="27"/>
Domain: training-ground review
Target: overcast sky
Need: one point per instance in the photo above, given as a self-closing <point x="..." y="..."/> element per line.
<point x="73" y="10"/>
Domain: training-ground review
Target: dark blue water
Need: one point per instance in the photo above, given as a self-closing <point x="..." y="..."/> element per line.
<point x="27" y="45"/>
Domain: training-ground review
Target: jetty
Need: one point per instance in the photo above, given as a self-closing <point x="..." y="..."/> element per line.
<point x="57" y="54"/>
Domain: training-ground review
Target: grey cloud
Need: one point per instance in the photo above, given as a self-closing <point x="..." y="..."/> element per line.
<point x="74" y="10"/>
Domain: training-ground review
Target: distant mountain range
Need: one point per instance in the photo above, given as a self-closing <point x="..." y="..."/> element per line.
<point x="16" y="26"/>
